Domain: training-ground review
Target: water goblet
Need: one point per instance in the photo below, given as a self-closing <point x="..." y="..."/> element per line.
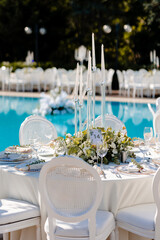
<point x="142" y="148"/>
<point x="60" y="147"/>
<point x="148" y="134"/>
<point x="102" y="150"/>
<point x="35" y="144"/>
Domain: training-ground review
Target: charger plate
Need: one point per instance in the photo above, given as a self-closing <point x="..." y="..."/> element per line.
<point x="124" y="169"/>
<point x="13" y="157"/>
<point x="19" y="149"/>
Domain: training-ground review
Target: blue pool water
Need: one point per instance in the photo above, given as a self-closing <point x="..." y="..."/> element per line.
<point x="14" y="110"/>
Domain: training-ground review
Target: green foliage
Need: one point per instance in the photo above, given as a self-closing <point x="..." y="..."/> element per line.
<point x="69" y="24"/>
<point x="82" y="147"/>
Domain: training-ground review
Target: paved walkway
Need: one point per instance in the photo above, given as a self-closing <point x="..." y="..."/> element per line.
<point x="114" y="97"/>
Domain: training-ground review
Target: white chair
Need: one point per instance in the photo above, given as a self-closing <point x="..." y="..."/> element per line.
<point x="128" y="80"/>
<point x="156" y="83"/>
<point x="111" y="121"/>
<point x="110" y="74"/>
<point x="143" y="219"/>
<point x="72" y="191"/>
<point x="36" y="127"/>
<point x="49" y="79"/>
<point x="17" y="215"/>
<point x="120" y="81"/>
<point x="36" y="77"/>
<point x="158" y="103"/>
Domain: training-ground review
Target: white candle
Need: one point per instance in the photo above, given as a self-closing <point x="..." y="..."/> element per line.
<point x="81" y="87"/>
<point x="151" y="57"/>
<point x="76" y="83"/>
<point x="93" y="52"/>
<point x="89" y="70"/>
<point x="102" y="64"/>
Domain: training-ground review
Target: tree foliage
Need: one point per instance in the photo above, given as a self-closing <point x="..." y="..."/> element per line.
<point x="69" y="24"/>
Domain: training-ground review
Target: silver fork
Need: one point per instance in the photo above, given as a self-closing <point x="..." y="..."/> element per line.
<point x="118" y="175"/>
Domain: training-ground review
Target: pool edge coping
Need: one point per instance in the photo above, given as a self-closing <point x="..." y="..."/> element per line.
<point x="112" y="98"/>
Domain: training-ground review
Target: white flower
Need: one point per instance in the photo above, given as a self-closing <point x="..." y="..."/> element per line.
<point x="90" y="161"/>
<point x="115" y="151"/>
<point x="113" y="145"/>
<point x="68" y="140"/>
<point x="68" y="135"/>
<point x="80" y="153"/>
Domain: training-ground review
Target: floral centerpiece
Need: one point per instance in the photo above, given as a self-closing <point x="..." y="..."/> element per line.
<point x="81" y="146"/>
<point x="55" y="102"/>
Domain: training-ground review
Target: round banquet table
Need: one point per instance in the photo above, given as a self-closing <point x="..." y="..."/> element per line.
<point x="120" y="190"/>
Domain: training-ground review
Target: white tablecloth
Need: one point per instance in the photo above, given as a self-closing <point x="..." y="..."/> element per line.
<point x="119" y="192"/>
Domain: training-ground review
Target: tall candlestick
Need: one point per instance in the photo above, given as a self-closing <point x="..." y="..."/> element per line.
<point x="80" y="101"/>
<point x="93" y="52"/>
<point x="89" y="93"/>
<point x="76" y="97"/>
<point x="102" y="87"/>
<point x="76" y="108"/>
<point x="76" y="83"/>
<point x="94" y="90"/>
<point x="93" y="76"/>
<point x="81" y="86"/>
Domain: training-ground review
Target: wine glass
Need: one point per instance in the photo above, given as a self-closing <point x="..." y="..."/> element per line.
<point x="142" y="148"/>
<point x="148" y="134"/>
<point x="35" y="144"/>
<point x="60" y="147"/>
<point x="102" y="150"/>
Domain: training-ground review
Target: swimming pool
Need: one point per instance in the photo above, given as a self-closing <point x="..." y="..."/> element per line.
<point x="13" y="111"/>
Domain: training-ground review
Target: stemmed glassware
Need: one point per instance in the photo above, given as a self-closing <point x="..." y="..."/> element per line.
<point x="60" y="147"/>
<point x="148" y="134"/>
<point x="142" y="148"/>
<point x="102" y="150"/>
<point x="35" y="144"/>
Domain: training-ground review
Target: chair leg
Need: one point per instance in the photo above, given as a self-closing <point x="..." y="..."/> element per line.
<point x="116" y="233"/>
<point x="5" y="236"/>
<point x="113" y="236"/>
<point x="38" y="232"/>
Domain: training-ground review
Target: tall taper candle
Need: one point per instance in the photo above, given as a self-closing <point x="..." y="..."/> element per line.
<point x="93" y="52"/>
<point x="102" y="87"/>
<point x="102" y="64"/>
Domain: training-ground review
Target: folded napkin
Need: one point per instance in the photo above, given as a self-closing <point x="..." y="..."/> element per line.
<point x="32" y="165"/>
<point x="132" y="168"/>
